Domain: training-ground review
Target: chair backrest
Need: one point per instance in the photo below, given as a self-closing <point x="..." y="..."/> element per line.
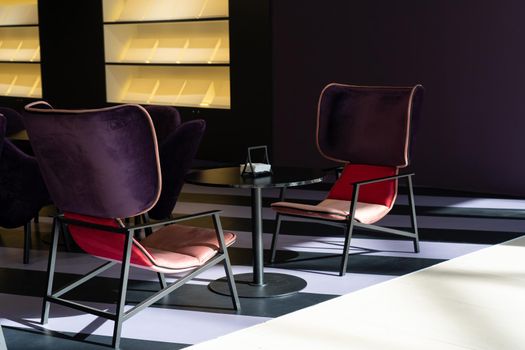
<point x="3" y="124"/>
<point x="176" y="156"/>
<point x="101" y="162"/>
<point x="165" y="120"/>
<point x="14" y="121"/>
<point x="367" y="124"/>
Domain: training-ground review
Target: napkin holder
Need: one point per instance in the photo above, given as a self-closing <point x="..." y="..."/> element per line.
<point x="256" y="169"/>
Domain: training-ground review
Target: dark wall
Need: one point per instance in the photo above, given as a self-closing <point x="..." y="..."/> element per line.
<point x="72" y="53"/>
<point x="249" y="122"/>
<point x="468" y="54"/>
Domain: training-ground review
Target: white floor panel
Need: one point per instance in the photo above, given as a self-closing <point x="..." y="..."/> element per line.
<point x="476" y="301"/>
<point x="155" y="324"/>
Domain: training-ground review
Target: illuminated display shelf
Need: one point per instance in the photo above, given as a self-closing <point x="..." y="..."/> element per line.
<point x="18" y="12"/>
<point x="19" y="44"/>
<point x="19" y="49"/>
<point x="147" y="10"/>
<point x="20" y="80"/>
<point x="173" y="52"/>
<point x="186" y="42"/>
<point x="180" y="86"/>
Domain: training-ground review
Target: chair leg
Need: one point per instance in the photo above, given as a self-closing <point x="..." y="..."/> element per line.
<point x="277" y="228"/>
<point x="349" y="228"/>
<point x="226" y="263"/>
<point x="348" y="236"/>
<point x="275" y="237"/>
<point x="50" y="271"/>
<point x="413" y="214"/>
<point x="3" y="345"/>
<point x="123" y="286"/>
<point x="27" y="241"/>
<point x="162" y="280"/>
<point x="231" y="282"/>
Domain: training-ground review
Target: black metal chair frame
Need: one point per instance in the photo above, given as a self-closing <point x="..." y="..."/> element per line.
<point x="3" y="345"/>
<point x="27" y="241"/>
<point x="350" y="221"/>
<point x="120" y="315"/>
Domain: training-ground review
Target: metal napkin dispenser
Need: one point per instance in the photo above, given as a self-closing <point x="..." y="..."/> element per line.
<point x="256" y="169"/>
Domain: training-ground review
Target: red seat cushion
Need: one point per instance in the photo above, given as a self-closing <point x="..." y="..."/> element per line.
<point x="172" y="248"/>
<point x="105" y="244"/>
<point x="182" y="247"/>
<point x="334" y="209"/>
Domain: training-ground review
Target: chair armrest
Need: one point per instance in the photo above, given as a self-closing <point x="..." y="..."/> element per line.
<point x="113" y="229"/>
<point x="173" y="221"/>
<point x="336" y="169"/>
<point x="382" y="179"/>
<point x="123" y="230"/>
<point x="358" y="184"/>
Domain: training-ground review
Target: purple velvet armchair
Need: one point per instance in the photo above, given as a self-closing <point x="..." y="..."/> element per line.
<point x="178" y="145"/>
<point x="102" y="166"/>
<point x="369" y="130"/>
<point x="22" y="190"/>
<point x="15" y="125"/>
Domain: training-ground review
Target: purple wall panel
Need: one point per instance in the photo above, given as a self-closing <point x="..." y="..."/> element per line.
<point x="468" y="54"/>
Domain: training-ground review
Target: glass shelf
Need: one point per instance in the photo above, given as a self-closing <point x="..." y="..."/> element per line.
<point x="203" y="87"/>
<point x="188" y="42"/>
<point x="147" y="10"/>
<point x="20" y="80"/>
<point x="19" y="44"/>
<point x="18" y="12"/>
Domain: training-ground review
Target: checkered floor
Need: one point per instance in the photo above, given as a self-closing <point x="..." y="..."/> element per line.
<point x="451" y="225"/>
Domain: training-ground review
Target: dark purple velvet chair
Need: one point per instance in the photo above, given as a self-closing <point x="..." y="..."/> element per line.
<point x="22" y="190"/>
<point x="102" y="166"/>
<point x="15" y="125"/>
<point x="14" y="120"/>
<point x="369" y="130"/>
<point x="165" y="120"/>
<point x="178" y="145"/>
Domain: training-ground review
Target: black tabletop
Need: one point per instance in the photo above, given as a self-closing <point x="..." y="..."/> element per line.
<point x="231" y="177"/>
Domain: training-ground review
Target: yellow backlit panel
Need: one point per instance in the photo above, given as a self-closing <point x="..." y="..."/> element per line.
<point x="14" y="12"/>
<point x="204" y="87"/>
<point x="204" y="42"/>
<point x="19" y="44"/>
<point x="20" y="80"/>
<point x="150" y="10"/>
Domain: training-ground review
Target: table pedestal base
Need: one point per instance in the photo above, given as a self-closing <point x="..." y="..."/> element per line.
<point x="275" y="285"/>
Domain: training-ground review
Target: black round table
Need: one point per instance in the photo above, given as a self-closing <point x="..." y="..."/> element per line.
<point x="257" y="284"/>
